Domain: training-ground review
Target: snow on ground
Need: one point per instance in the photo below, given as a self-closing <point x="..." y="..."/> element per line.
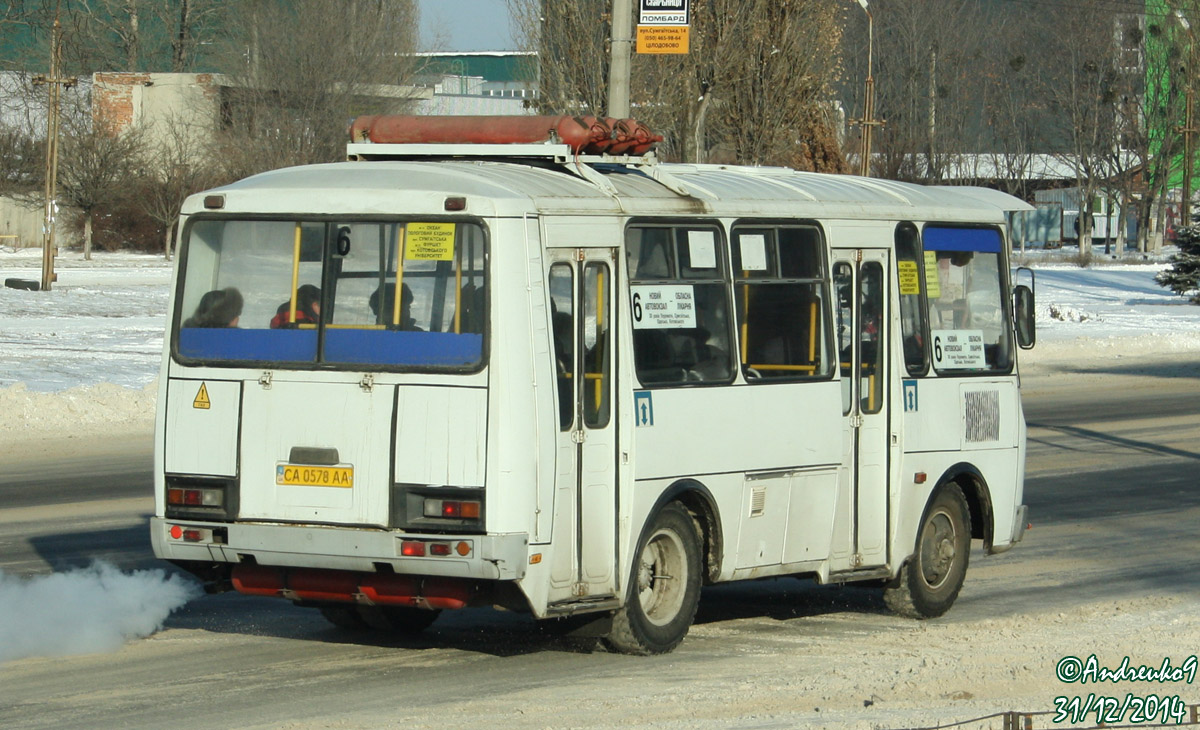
<point x="86" y="353"/>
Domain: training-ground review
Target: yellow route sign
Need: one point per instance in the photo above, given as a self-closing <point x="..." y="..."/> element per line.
<point x="910" y="277"/>
<point x="202" y="401"/>
<point x="430" y="242"/>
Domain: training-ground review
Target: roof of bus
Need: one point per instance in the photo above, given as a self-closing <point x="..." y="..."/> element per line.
<point x="515" y="188"/>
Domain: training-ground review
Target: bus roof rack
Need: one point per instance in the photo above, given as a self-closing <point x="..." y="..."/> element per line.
<point x="576" y="143"/>
<point x="582" y="166"/>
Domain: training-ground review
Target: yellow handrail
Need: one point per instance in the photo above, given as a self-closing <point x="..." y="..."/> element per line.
<point x="398" y="297"/>
<point x="295" y="274"/>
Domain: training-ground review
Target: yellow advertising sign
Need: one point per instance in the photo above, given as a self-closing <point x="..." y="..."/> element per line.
<point x="662" y="38"/>
<point x="933" y="286"/>
<point x="430" y="242"/>
<point x="910" y="277"/>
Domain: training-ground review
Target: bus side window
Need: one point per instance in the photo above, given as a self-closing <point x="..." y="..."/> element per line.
<point x="562" y="314"/>
<point x="843" y="287"/>
<point x="680" y="302"/>
<point x="912" y="311"/>
<point x="781" y="303"/>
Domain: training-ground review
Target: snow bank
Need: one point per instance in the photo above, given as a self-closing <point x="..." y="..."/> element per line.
<point x="30" y="414"/>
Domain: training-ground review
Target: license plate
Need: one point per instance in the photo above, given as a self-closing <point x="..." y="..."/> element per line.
<point x="305" y="475"/>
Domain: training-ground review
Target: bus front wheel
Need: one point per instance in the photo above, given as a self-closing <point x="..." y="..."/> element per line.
<point x="664" y="589"/>
<point x="931" y="579"/>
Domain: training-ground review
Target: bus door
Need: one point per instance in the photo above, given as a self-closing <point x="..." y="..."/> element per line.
<point x="585" y="506"/>
<point x="860" y="280"/>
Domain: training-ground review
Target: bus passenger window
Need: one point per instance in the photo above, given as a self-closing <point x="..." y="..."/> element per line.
<point x="872" y="342"/>
<point x="680" y="304"/>
<point x="781" y="302"/>
<point x="843" y="287"/>
<point x="912" y="312"/>
<point x="965" y="275"/>
<point x="596" y="360"/>
<point x="562" y="321"/>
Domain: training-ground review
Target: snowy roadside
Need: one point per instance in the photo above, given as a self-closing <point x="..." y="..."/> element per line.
<point x="82" y="360"/>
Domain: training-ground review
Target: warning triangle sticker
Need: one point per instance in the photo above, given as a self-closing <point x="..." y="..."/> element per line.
<point x="202" y="399"/>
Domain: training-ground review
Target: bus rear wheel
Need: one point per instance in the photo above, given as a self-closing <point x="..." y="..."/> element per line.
<point x="664" y="588"/>
<point x="930" y="581"/>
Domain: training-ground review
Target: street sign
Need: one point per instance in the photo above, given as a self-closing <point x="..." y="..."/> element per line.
<point x="663" y="12"/>
<point x="662" y="38"/>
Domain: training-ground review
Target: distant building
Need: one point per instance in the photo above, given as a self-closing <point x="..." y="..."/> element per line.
<point x="485" y="82"/>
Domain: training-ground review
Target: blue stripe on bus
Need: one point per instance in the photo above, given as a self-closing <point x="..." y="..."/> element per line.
<point x="390" y="347"/>
<point x="228" y="343"/>
<point x="369" y="347"/>
<point x="986" y="240"/>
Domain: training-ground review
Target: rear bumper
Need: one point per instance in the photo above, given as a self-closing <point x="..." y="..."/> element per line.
<point x="491" y="557"/>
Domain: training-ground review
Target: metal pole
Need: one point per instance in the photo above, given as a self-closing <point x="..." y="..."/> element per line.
<point x="868" y="123"/>
<point x="620" y="50"/>
<point x="54" y="92"/>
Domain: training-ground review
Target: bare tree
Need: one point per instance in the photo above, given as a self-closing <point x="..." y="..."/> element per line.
<point x="754" y="86"/>
<point x="96" y="168"/>
<point x="175" y="166"/>
<point x="298" y="79"/>
<point x="1085" y="88"/>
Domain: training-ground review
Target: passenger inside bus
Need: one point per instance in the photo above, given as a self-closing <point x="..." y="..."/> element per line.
<point x="308" y="309"/>
<point x="217" y="308"/>
<point x="387" y="293"/>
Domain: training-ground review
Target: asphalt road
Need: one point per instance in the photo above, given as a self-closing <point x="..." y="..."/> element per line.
<point x="1112" y="490"/>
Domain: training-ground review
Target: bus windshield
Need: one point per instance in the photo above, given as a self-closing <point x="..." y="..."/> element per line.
<point x="325" y="293"/>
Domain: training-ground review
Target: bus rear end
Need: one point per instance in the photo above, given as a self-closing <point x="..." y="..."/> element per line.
<point x="322" y="429"/>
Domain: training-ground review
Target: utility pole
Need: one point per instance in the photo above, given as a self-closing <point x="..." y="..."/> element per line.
<point x="54" y="84"/>
<point x="868" y="121"/>
<point x="620" y="50"/>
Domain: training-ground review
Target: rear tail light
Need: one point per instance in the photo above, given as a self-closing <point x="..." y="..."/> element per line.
<point x="200" y="497"/>
<point x="196" y="497"/>
<point x="452" y="509"/>
<point x="436" y="548"/>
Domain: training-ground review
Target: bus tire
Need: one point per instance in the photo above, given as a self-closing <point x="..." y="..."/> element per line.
<point x="664" y="587"/>
<point x="930" y="580"/>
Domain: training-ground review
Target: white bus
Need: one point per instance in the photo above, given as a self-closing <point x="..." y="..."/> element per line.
<point x="605" y="383"/>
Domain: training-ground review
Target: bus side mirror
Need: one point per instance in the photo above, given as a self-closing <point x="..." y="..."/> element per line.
<point x="1023" y="309"/>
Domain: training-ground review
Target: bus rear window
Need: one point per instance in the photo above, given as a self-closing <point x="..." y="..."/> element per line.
<point x="397" y="293"/>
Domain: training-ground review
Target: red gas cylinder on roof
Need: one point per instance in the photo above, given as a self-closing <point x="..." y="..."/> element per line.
<point x="584" y="135"/>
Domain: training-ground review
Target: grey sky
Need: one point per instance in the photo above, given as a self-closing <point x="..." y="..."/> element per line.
<point x="465" y="25"/>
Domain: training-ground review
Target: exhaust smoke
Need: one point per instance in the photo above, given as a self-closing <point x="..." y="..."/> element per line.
<point x="85" y="611"/>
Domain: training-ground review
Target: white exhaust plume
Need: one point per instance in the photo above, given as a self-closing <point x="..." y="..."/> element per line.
<point x="85" y="611"/>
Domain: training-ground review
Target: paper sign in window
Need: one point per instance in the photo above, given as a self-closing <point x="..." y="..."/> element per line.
<point x="753" y="248"/>
<point x="933" y="287"/>
<point x="702" y="249"/>
<point x="430" y="242"/>
<point x="958" y="349"/>
<point x="663" y="306"/>
<point x="910" y="277"/>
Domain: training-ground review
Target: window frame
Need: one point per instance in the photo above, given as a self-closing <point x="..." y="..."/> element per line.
<point x="327" y="254"/>
<point x="1005" y="284"/>
<point x="824" y="281"/>
<point x="721" y="244"/>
